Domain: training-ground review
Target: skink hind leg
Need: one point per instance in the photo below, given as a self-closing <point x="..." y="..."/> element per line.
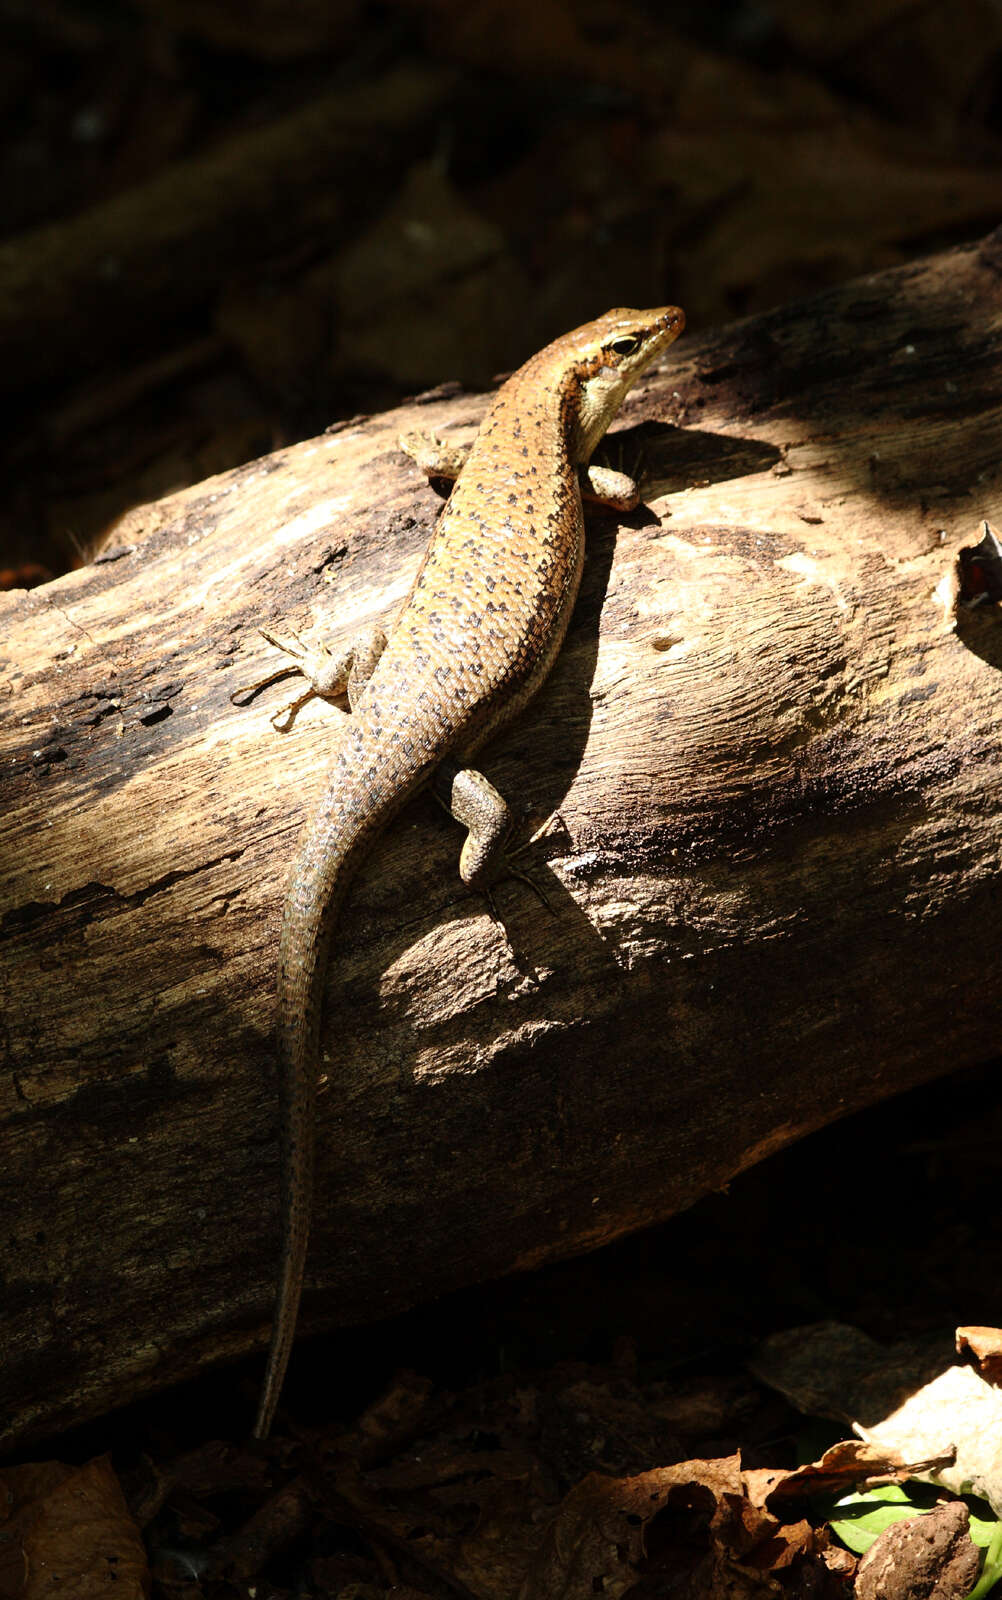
<point x="329" y="676"/>
<point x="484" y="859"/>
<point x="475" y="802"/>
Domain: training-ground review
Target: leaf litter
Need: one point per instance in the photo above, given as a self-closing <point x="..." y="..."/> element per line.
<point x="518" y="1491"/>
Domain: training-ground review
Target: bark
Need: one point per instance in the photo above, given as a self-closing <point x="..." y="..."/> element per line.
<point x="775" y="758"/>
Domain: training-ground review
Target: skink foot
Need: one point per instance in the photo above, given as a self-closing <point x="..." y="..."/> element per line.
<point x="330" y="676"/>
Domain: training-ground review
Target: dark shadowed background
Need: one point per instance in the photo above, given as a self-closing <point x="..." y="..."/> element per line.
<point x="227" y="224"/>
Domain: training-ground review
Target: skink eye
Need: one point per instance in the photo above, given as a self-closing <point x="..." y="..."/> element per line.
<point x="624" y="346"/>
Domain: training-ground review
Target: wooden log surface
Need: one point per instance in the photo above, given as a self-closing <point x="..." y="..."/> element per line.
<point x="775" y="758"/>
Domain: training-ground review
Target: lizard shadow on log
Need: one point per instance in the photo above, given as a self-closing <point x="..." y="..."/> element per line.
<point x="389" y="1055"/>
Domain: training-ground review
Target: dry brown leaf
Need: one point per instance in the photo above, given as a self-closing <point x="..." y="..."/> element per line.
<point x="848" y="1462"/>
<point x="702" y="1408"/>
<point x="284" y="1517"/>
<point x="21" y="1490"/>
<point x="596" y="1543"/>
<point x="700" y="1526"/>
<point x="393" y="1417"/>
<point x="829" y="1369"/>
<point x="69" y="1532"/>
<point x="985" y="1345"/>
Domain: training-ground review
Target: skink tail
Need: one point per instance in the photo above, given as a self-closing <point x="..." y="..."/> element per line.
<point x="333" y="843"/>
<point x="306" y="938"/>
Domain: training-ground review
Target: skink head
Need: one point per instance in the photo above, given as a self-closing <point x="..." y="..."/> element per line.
<point x="600" y="361"/>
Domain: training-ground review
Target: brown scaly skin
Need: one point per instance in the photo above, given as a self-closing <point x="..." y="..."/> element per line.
<point x="474" y="641"/>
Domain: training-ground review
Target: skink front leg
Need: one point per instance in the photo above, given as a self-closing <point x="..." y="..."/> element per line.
<point x="602" y="487"/>
<point x="437" y="458"/>
<point x="607" y="489"/>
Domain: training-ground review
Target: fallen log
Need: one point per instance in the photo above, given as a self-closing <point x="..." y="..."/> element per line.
<point x="774" y="755"/>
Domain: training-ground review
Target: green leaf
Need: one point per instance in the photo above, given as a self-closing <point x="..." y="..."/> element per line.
<point x="991" y="1572"/>
<point x="861" y="1516"/>
<point x="984" y="1523"/>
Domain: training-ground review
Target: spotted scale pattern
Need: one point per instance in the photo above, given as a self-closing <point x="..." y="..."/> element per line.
<point x="476" y="637"/>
